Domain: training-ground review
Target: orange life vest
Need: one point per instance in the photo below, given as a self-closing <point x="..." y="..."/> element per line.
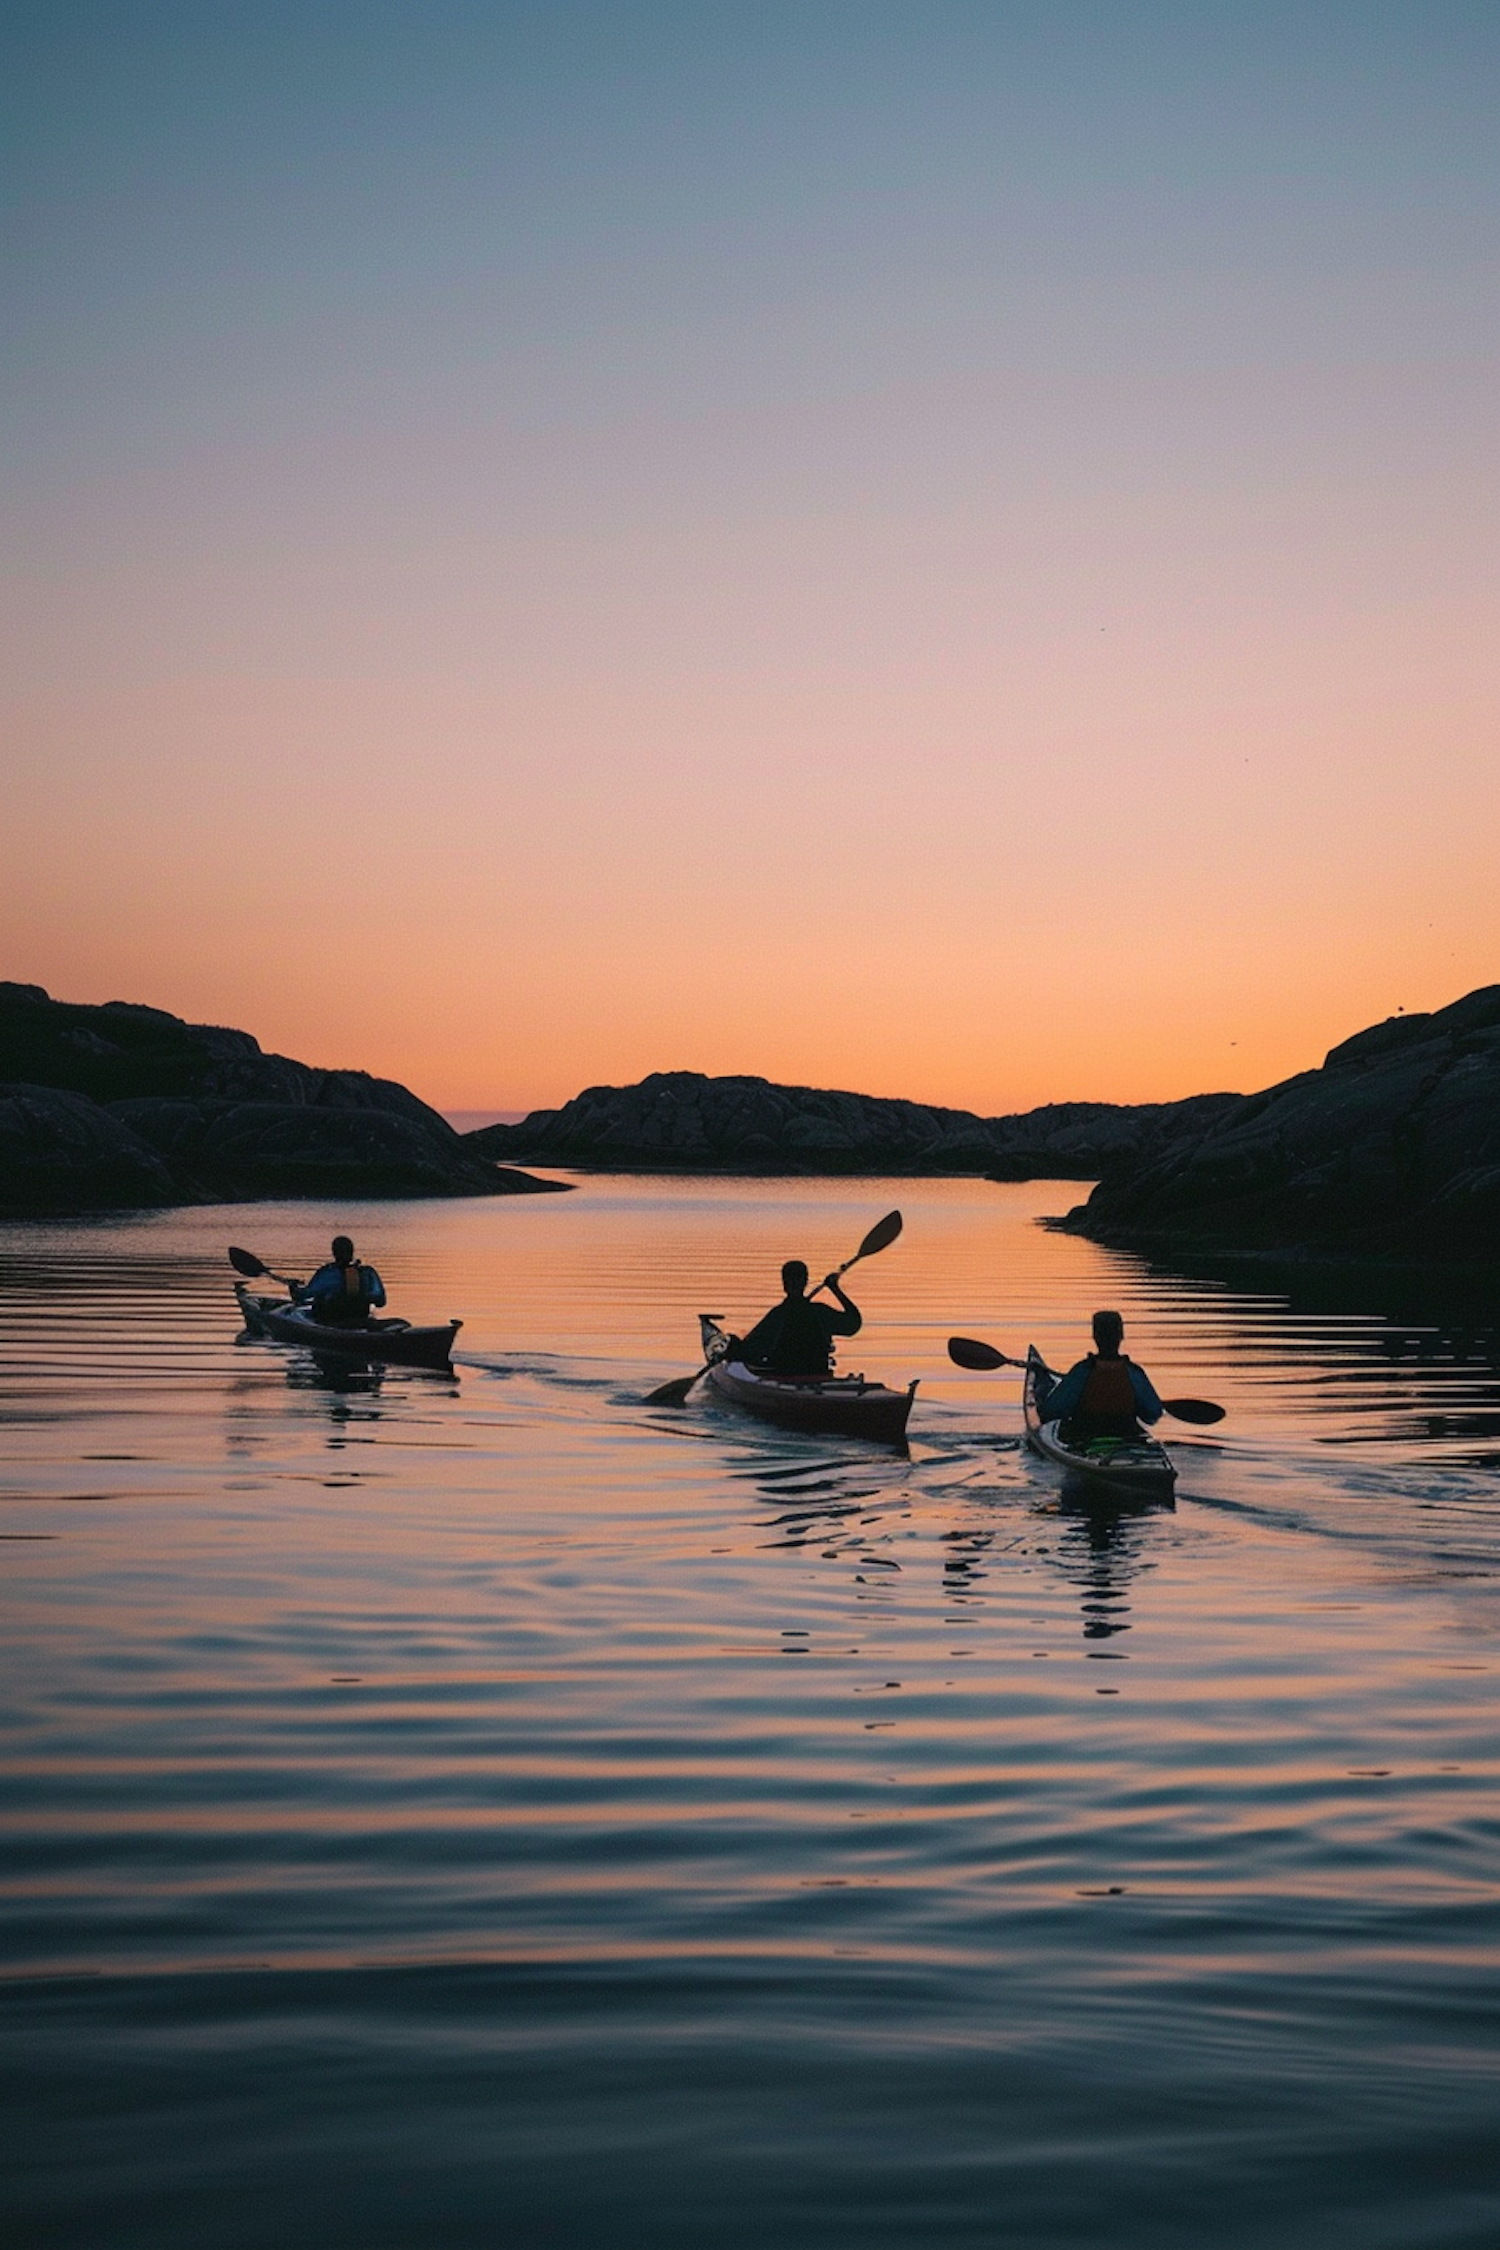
<point x="350" y="1308"/>
<point x="1108" y="1393"/>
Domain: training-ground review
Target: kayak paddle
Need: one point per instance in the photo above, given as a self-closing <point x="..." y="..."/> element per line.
<point x="880" y="1237"/>
<point x="967" y="1351"/>
<point x="253" y="1268"/>
<point x="675" y="1393"/>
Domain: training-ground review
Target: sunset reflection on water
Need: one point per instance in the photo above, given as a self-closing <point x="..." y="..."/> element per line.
<point x="648" y="1816"/>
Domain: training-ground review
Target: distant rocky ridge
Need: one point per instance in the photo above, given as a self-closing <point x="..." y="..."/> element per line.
<point x="121" y="1106"/>
<point x="682" y="1121"/>
<point x="1391" y="1147"/>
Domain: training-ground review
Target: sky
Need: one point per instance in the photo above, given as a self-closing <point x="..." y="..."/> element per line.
<point x="943" y="549"/>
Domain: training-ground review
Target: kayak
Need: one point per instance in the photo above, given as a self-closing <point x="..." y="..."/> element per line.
<point x="1135" y="1468"/>
<point x="838" y="1405"/>
<point x="394" y="1340"/>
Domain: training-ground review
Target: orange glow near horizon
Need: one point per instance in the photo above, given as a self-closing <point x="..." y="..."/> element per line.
<point x="821" y="923"/>
<point x="968" y="576"/>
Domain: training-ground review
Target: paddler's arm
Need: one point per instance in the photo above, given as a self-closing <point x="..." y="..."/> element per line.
<point x="374" y="1286"/>
<point x="1062" y="1400"/>
<point x="1148" y="1406"/>
<point x="304" y="1291"/>
<point x="850" y="1320"/>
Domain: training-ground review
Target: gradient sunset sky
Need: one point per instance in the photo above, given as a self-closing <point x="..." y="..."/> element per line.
<point x="942" y="549"/>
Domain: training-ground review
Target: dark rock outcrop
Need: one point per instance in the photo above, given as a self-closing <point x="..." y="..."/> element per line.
<point x="1392" y="1146"/>
<point x="238" y="1151"/>
<point x="682" y="1121"/>
<point x="121" y="1050"/>
<point x="121" y="1106"/>
<point x="1097" y="1140"/>
<point x="62" y="1152"/>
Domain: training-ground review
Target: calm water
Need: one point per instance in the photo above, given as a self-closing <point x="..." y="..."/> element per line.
<point x="486" y="1811"/>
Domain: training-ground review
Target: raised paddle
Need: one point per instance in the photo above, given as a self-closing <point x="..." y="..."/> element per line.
<point x="967" y="1351"/>
<point x="254" y="1269"/>
<point x="880" y="1237"/>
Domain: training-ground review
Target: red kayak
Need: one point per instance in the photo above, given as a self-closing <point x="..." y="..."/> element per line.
<point x="834" y="1405"/>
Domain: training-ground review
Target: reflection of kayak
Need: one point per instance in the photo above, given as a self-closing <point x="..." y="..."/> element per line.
<point x="841" y="1405"/>
<point x="394" y="1340"/>
<point x="1133" y="1467"/>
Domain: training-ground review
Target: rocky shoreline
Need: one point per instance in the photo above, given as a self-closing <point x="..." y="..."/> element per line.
<point x="123" y="1107"/>
<point x="1389" y="1150"/>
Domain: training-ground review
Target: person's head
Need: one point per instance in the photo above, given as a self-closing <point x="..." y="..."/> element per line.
<point x="794" y="1277"/>
<point x="1109" y="1332"/>
<point x="343" y="1250"/>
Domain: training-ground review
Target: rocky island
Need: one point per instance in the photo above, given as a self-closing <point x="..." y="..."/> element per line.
<point x="122" y="1106"/>
<point x="1390" y="1148"/>
<point x="682" y="1121"/>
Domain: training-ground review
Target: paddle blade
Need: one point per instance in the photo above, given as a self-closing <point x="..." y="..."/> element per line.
<point x="673" y="1393"/>
<point x="246" y="1262"/>
<point x="967" y="1351"/>
<point x="880" y="1237"/>
<point x="1194" y="1409"/>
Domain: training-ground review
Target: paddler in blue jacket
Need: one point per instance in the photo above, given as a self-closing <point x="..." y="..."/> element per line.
<point x="796" y="1336"/>
<point x="1105" y="1395"/>
<point x="342" y="1293"/>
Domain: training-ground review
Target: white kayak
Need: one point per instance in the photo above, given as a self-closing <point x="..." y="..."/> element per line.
<point x="1134" y="1468"/>
<point x="394" y="1340"/>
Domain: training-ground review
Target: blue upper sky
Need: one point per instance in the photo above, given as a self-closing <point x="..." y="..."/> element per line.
<point x="576" y="209"/>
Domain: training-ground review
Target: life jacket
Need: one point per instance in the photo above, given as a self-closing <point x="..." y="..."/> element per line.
<point x="1108" y="1394"/>
<point x="348" y="1307"/>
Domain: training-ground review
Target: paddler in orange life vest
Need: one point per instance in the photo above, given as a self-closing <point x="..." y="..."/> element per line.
<point x="341" y="1294"/>
<point x="1105" y="1395"/>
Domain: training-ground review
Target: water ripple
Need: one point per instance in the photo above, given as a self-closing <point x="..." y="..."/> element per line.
<point x="480" y="1807"/>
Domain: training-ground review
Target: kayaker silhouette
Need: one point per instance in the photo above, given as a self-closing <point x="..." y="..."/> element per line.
<point x="796" y="1336"/>
<point x="341" y="1294"/>
<point x="1105" y="1395"/>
